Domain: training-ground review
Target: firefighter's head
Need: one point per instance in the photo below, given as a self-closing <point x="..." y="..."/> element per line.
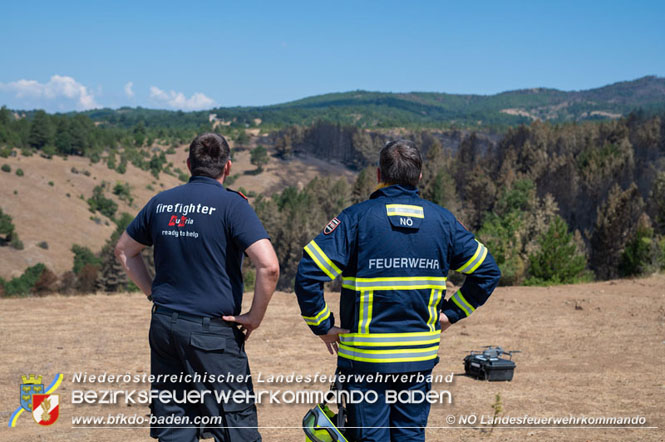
<point x="209" y="156"/>
<point x="400" y="163"/>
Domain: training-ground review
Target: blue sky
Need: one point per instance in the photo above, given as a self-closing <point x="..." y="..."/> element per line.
<point x="70" y="55"/>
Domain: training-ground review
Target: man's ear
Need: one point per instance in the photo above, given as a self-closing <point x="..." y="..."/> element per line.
<point x="378" y="174"/>
<point x="189" y="166"/>
<point x="227" y="168"/>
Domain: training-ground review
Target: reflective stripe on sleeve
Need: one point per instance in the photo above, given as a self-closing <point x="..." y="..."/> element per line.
<point x="319" y="318"/>
<point x="321" y="259"/>
<point x="395" y="283"/>
<point x="405" y="210"/>
<point x="475" y="261"/>
<point x="462" y="303"/>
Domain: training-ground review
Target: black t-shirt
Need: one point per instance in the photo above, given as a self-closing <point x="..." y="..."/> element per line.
<point x="200" y="231"/>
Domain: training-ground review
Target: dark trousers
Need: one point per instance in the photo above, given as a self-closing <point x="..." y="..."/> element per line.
<point x="381" y="421"/>
<point x="189" y="344"/>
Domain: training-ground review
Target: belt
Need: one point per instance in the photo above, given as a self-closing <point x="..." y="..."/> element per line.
<point x="158" y="309"/>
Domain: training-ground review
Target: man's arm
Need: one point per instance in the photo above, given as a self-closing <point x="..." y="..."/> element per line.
<point x="262" y="255"/>
<point x="324" y="259"/>
<point x="128" y="252"/>
<point x="482" y="276"/>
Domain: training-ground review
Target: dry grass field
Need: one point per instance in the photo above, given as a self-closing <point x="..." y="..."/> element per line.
<point x="593" y="349"/>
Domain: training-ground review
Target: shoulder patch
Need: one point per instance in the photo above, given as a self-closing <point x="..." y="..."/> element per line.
<point x="331" y="226"/>
<point x="238" y="192"/>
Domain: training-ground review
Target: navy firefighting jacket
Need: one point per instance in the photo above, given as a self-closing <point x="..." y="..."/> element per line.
<point x="393" y="252"/>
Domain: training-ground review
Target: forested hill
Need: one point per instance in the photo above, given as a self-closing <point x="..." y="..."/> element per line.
<point x="419" y="109"/>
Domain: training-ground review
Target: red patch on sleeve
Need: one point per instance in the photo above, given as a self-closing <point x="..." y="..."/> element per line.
<point x="331" y="226"/>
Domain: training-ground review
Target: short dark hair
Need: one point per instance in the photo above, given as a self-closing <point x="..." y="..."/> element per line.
<point x="208" y="154"/>
<point x="400" y="163"/>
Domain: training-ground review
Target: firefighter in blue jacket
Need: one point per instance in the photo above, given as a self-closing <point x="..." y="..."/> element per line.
<point x="393" y="253"/>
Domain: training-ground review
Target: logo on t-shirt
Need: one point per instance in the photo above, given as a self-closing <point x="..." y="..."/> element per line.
<point x="177" y="221"/>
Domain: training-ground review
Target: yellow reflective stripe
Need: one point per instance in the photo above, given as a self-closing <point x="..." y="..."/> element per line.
<point x="434" y="298"/>
<point x="361" y="313"/>
<point x="480" y="261"/>
<point x="476" y="260"/>
<point x="395" y="283"/>
<point x="405" y="210"/>
<point x="462" y="303"/>
<point x="401" y="355"/>
<point x="365" y="311"/>
<point x="322" y="261"/>
<point x="369" y="297"/>
<point x="389" y="339"/>
<point x="319" y="318"/>
<point x="396" y="335"/>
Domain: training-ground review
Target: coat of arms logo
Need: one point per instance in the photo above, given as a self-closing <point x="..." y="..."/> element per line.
<point x="37" y="400"/>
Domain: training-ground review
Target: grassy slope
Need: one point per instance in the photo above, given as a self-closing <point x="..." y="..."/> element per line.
<point x="42" y="212"/>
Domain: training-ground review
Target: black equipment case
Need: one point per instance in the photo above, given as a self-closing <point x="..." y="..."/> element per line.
<point x="489" y="365"/>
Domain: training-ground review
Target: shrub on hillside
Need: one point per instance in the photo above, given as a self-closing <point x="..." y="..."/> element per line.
<point x="19" y="172"/>
<point x="123" y="192"/>
<point x="46" y="283"/>
<point x="98" y="202"/>
<point x="86" y="278"/>
<point x="83" y="256"/>
<point x="6" y="168"/>
<point x="24" y="284"/>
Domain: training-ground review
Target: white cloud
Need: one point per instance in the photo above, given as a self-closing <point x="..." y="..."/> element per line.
<point x="54" y="91"/>
<point x="128" y="89"/>
<point x="177" y="100"/>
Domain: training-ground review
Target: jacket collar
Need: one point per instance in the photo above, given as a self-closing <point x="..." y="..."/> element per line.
<point x="205" y="180"/>
<point x="395" y="190"/>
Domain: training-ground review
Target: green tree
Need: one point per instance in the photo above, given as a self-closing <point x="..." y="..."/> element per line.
<point x="6" y="227"/>
<point x="642" y="255"/>
<point x="139" y="134"/>
<point x="40" y="130"/>
<point x="242" y="139"/>
<point x="364" y="185"/>
<point x="259" y="157"/>
<point x="616" y="224"/>
<point x="111" y="276"/>
<point x="557" y="260"/>
<point x="64" y="139"/>
<point x="656" y="205"/>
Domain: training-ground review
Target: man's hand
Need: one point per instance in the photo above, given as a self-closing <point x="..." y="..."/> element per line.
<point x="248" y="323"/>
<point x="332" y="338"/>
<point x="444" y="321"/>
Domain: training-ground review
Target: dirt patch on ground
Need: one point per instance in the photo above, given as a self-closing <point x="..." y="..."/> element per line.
<point x="592" y="349"/>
